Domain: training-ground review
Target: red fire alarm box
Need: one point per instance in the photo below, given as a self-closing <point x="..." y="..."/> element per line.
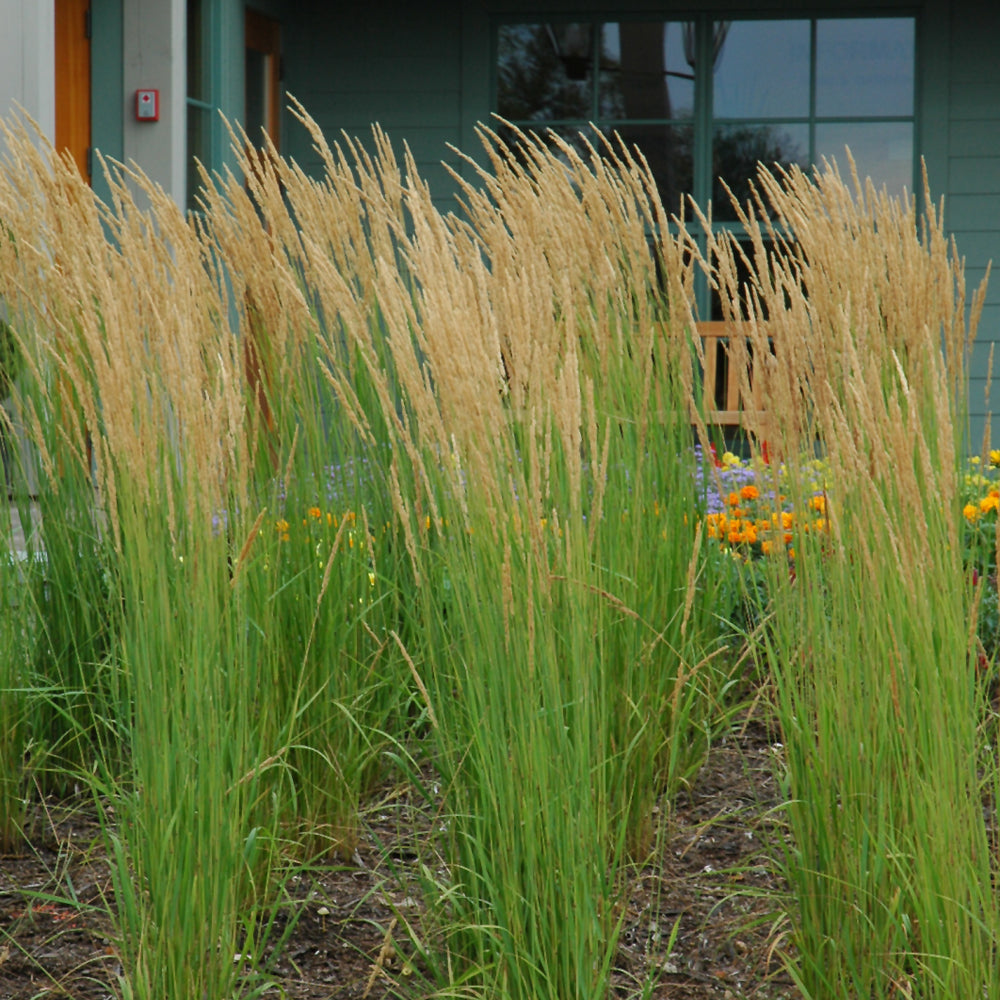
<point x="147" y="105"/>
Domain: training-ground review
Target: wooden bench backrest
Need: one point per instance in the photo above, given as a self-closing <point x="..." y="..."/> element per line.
<point x="725" y="405"/>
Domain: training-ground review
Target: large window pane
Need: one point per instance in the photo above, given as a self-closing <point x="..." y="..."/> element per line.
<point x="737" y="150"/>
<point x="881" y="150"/>
<point x="197" y="51"/>
<point x="645" y="72"/>
<point x="761" y="69"/>
<point x="544" y="72"/>
<point x="864" y="67"/>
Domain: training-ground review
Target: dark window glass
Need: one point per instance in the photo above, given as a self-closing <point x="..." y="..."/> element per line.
<point x="737" y="152"/>
<point x="761" y="69"/>
<point x="645" y="71"/>
<point x="197" y="51"/>
<point x="198" y="146"/>
<point x="668" y="149"/>
<point x="864" y="67"/>
<point x="881" y="150"/>
<point x="544" y="72"/>
<point x="255" y="90"/>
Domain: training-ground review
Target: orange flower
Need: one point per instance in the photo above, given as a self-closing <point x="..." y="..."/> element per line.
<point x="990" y="502"/>
<point x="749" y="492"/>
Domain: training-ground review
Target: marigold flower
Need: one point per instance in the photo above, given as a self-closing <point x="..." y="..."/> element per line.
<point x="971" y="512"/>
<point x="733" y="500"/>
<point x="989" y="502"/>
<point x="750" y="492"/>
<point x="315" y="513"/>
<point x="995" y="457"/>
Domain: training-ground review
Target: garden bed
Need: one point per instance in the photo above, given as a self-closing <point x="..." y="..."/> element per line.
<point x="711" y="873"/>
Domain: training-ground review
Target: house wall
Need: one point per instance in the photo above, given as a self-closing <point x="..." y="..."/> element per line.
<point x="971" y="182"/>
<point x="27" y="61"/>
<point x="390" y="62"/>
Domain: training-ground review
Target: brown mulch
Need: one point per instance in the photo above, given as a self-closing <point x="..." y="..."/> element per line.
<point x="711" y="876"/>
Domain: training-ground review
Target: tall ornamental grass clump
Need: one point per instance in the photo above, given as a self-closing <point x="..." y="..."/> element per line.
<point x="870" y="640"/>
<point x="358" y="479"/>
<point x="512" y="368"/>
<point x="137" y="407"/>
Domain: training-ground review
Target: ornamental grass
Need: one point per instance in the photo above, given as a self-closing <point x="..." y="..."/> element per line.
<point x="337" y="488"/>
<point x="858" y="303"/>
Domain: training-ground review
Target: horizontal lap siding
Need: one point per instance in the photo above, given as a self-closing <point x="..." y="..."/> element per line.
<point x="972" y="202"/>
<point x="390" y="62"/>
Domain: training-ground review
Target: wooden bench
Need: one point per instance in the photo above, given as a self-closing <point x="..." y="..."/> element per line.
<point x="725" y="404"/>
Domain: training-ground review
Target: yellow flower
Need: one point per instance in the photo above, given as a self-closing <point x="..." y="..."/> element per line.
<point x="818" y="503"/>
<point x="971" y="512"/>
<point x="731" y="461"/>
<point x="995" y="457"/>
<point x="990" y="502"/>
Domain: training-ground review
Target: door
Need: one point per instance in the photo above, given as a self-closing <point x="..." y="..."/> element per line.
<point x="72" y="80"/>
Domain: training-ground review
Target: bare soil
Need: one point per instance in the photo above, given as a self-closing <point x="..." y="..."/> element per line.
<point x="712" y="877"/>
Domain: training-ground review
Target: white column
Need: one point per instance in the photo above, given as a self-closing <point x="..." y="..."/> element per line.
<point x="27" y="61"/>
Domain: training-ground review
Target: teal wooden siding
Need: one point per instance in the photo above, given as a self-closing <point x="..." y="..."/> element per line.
<point x="972" y="189"/>
<point x="393" y="63"/>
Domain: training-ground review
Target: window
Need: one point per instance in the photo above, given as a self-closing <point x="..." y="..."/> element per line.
<point x="706" y="100"/>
